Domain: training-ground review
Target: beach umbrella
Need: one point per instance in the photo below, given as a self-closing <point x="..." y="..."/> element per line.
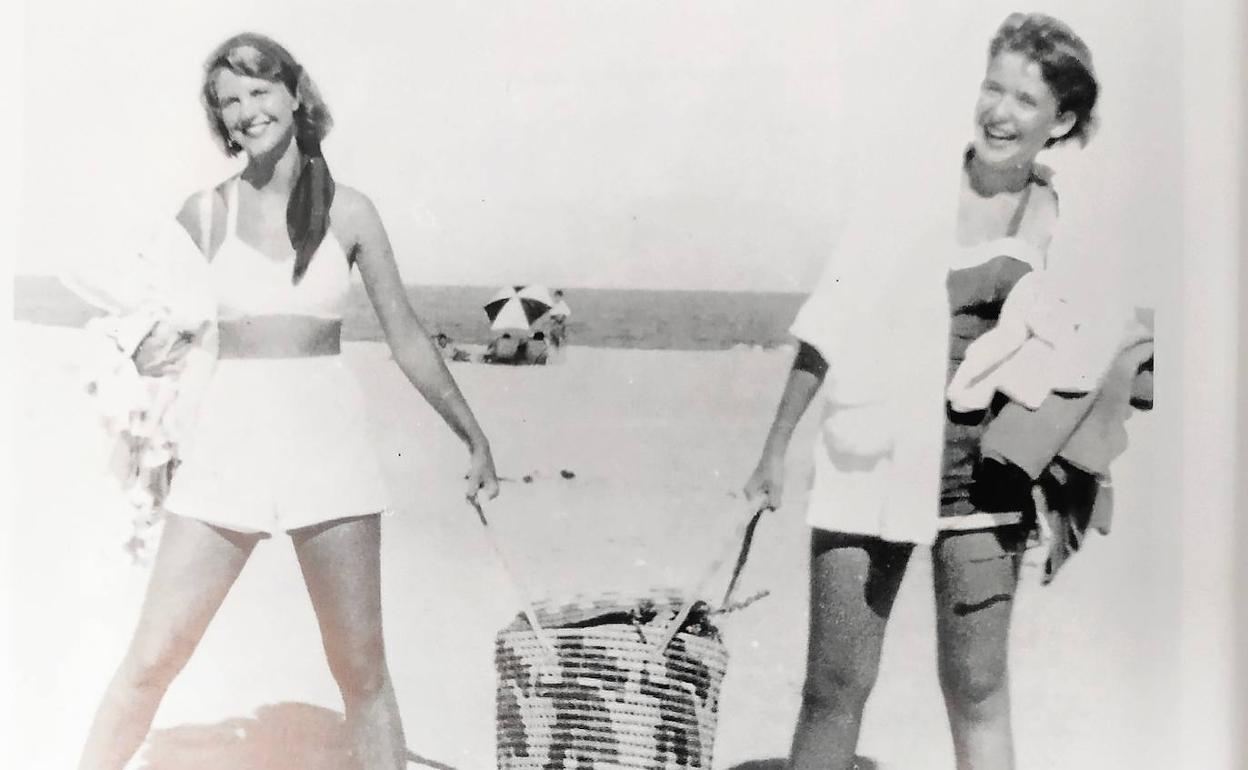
<point x="517" y="307"/>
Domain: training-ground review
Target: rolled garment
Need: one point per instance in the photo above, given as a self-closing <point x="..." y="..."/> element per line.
<point x="1088" y="430"/>
<point x="1042" y="344"/>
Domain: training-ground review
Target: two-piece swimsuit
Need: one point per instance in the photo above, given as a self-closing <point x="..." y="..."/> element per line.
<point x="281" y="438"/>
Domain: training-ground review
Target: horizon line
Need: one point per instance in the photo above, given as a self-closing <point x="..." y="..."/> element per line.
<point x="355" y="280"/>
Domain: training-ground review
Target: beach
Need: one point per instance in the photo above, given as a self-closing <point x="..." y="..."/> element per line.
<point x="621" y="472"/>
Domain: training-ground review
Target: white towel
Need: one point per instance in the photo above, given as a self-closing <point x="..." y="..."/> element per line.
<point x="160" y="294"/>
<point x="1044" y="342"/>
<point x="879" y="314"/>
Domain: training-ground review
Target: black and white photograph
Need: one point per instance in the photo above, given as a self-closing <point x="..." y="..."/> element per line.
<point x="567" y="385"/>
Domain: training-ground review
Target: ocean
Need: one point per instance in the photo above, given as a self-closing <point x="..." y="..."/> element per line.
<point x="610" y="318"/>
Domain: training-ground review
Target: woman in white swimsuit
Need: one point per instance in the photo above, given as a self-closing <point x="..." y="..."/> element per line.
<point x="280" y="443"/>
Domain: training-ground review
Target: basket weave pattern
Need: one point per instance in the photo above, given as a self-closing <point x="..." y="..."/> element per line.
<point x="607" y="700"/>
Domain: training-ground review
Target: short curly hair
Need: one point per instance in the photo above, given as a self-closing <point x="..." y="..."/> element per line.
<point x="1065" y="64"/>
<point x="254" y="55"/>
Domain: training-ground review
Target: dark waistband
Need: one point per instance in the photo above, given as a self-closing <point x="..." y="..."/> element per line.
<point x="279" y="336"/>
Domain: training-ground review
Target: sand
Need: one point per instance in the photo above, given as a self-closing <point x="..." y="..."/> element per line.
<point x="658" y="443"/>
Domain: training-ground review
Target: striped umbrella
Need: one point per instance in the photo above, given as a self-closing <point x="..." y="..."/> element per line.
<point x="517" y="307"/>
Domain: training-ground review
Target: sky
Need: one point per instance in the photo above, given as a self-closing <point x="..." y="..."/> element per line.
<point x="638" y="144"/>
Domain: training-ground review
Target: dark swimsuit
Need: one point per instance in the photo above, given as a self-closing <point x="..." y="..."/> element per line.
<point x="976" y="295"/>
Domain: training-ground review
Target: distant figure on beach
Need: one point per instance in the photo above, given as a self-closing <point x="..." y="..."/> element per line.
<point x="559" y="315"/>
<point x="506" y="348"/>
<point x="892" y="471"/>
<point x="536" y="348"/>
<point x="450" y="351"/>
<point x="281" y="444"/>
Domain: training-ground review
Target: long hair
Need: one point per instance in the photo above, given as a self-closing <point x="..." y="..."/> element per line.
<point x="253" y="55"/>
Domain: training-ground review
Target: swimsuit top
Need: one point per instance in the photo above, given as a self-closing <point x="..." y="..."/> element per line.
<point x="248" y="283"/>
<point x="983" y="276"/>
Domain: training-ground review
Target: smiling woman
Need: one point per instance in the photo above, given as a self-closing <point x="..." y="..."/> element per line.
<point x="256" y="97"/>
<point x="1017" y="115"/>
<point x="895" y="467"/>
<point x="280" y="443"/>
<point x="1039" y="91"/>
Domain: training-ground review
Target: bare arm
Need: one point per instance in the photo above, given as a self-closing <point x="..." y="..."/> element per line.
<point x="766" y="484"/>
<point x="414" y="351"/>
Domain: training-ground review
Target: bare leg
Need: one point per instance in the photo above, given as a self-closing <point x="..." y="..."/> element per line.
<point x="341" y="562"/>
<point x="196" y="564"/>
<point x="853" y="582"/>
<point x="975" y="575"/>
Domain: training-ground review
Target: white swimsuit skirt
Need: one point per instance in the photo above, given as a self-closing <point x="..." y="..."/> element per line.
<point x="279" y="444"/>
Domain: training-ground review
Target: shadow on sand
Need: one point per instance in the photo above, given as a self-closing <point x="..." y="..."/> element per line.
<point x="860" y="763"/>
<point x="281" y="736"/>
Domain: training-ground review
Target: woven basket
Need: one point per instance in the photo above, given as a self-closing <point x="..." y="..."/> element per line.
<point x="609" y="697"/>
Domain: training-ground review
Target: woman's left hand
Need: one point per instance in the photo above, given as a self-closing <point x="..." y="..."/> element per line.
<point x="481" y="475"/>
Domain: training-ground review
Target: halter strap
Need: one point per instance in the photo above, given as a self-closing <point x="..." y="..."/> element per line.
<point x="205" y="221"/>
<point x="231" y="208"/>
<point x="1020" y="213"/>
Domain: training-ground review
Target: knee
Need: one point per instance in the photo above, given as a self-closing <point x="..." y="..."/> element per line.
<point x="841" y="688"/>
<point x="359" y="667"/>
<point x="975" y="689"/>
<point x="153" y="664"/>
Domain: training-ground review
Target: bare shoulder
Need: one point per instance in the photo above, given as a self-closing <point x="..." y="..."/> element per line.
<point x="1041" y="217"/>
<point x="353" y="208"/>
<point x="1046" y="199"/>
<point x="354" y="219"/>
<point x="1045" y="193"/>
<point x="357" y="225"/>
<point x="203" y="214"/>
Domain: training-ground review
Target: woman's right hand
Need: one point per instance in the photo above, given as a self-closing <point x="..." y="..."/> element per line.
<point x="765" y="487"/>
<point x="162" y="350"/>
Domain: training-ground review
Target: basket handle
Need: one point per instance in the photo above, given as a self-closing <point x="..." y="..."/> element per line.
<point x="742" y="538"/>
<point x="529" y="612"/>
